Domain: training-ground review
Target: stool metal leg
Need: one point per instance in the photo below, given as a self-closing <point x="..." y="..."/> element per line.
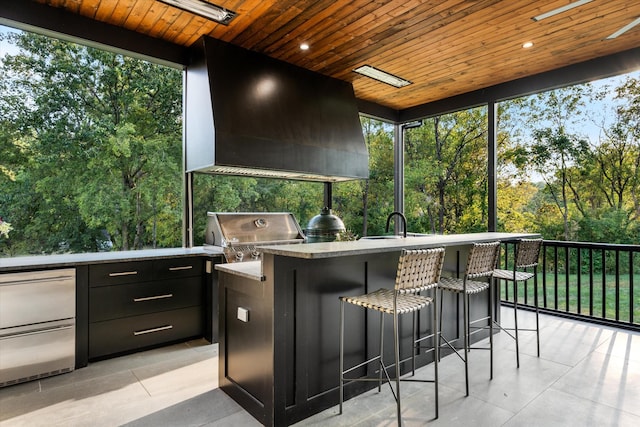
<point x="381" y="350"/>
<point x="515" y="318"/>
<point x="465" y="315"/>
<point x="414" y="335"/>
<point x="397" y="357"/>
<point x="341" y="354"/>
<point x="436" y="344"/>
<point x="491" y="314"/>
<point x="535" y="292"/>
<point x="440" y="322"/>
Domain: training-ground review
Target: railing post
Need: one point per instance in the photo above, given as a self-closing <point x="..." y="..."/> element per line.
<point x="590" y="282"/>
<point x="631" y="306"/>
<point x="604" y="284"/>
<point x="579" y="280"/>
<point x="555" y="278"/>
<point x="567" y="267"/>
<point x="617" y="286"/>
<point x="544" y="276"/>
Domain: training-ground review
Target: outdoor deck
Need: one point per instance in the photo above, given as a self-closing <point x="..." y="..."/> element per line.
<point x="587" y="375"/>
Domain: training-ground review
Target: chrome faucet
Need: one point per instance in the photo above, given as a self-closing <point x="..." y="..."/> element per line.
<point x="404" y="221"/>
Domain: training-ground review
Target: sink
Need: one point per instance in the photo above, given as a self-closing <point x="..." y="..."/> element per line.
<point x="392" y="236"/>
<point x="395" y="236"/>
<point x="419" y="234"/>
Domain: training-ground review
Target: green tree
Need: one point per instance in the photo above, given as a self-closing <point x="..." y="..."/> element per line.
<point x="629" y="116"/>
<point x="611" y="174"/>
<point x="514" y="206"/>
<point x="102" y="137"/>
<point x="446" y="173"/>
<point x="593" y="184"/>
<point x="553" y="150"/>
<point x="365" y="204"/>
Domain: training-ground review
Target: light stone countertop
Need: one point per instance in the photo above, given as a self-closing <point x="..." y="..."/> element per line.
<point x="366" y="246"/>
<point x="253" y="269"/>
<point x="72" y="260"/>
<point x="249" y="269"/>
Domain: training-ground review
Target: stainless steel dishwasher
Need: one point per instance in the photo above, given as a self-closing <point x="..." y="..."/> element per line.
<point x="37" y="324"/>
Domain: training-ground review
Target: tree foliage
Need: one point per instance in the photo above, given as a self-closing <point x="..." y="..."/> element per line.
<point x="446" y="173"/>
<point x="591" y="184"/>
<point x="93" y="144"/>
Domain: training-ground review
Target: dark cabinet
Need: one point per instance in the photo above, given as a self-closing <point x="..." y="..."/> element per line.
<point x="132" y="299"/>
<point x="119" y="273"/>
<point x="211" y="299"/>
<point x="141" y="304"/>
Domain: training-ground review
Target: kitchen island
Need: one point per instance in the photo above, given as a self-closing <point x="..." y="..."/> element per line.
<point x="279" y="319"/>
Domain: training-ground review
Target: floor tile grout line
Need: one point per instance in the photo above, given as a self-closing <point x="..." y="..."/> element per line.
<point x="140" y="382"/>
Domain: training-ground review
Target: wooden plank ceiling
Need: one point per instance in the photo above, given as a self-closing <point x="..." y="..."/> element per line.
<point x="444" y="47"/>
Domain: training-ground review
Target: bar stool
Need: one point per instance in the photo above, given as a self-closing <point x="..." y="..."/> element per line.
<point x="527" y="256"/>
<point x="418" y="270"/>
<point x="480" y="263"/>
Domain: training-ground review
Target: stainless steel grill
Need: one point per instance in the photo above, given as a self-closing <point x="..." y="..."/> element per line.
<point x="240" y="234"/>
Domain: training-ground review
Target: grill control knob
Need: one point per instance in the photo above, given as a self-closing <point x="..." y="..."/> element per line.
<point x="239" y="256"/>
<point x="255" y="255"/>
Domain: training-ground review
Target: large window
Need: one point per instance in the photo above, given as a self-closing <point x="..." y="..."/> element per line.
<point x="445" y="168"/>
<point x="569" y="162"/>
<point x="219" y="193"/>
<point x="91" y="149"/>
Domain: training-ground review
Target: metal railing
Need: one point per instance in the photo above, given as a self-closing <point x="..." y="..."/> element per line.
<point x="596" y="282"/>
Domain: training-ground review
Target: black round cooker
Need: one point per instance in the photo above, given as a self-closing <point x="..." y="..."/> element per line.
<point x="324" y="227"/>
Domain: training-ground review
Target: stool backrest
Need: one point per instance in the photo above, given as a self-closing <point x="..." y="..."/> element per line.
<point x="419" y="269"/>
<point x="528" y="252"/>
<point x="482" y="259"/>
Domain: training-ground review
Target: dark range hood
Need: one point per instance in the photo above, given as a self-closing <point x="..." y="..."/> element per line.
<point x="249" y="114"/>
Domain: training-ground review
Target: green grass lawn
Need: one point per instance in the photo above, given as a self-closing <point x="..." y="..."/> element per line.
<point x="625" y="301"/>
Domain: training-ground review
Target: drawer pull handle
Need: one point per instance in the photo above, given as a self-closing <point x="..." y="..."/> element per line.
<point x="39" y="280"/>
<point x="186" y="267"/>
<point x="152" y="330"/>
<point x="36" y="332"/>
<point x="124" y="273"/>
<point x="153" y="297"/>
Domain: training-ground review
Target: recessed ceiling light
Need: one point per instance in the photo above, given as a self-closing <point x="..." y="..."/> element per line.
<point x="560" y="9"/>
<point x="527" y="45"/>
<point x="204" y="9"/>
<point x="383" y="76"/>
<point x="624" y="29"/>
<point x="304" y="46"/>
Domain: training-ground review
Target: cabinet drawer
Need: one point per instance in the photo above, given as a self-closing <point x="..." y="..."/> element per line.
<point x="111" y="302"/>
<point x="120" y="273"/>
<point x="37" y="296"/>
<point x="177" y="267"/>
<point x="137" y="332"/>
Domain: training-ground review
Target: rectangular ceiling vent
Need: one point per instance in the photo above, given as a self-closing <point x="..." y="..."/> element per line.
<point x="382" y="76"/>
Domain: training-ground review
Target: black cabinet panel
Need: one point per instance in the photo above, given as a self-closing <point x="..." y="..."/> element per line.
<point x="82" y="316"/>
<point x="112" y="302"/>
<point x="120" y="273"/>
<point x="140" y="304"/>
<point x="177" y="267"/>
<point x="248" y="345"/>
<point x="211" y="327"/>
<point x="137" y="332"/>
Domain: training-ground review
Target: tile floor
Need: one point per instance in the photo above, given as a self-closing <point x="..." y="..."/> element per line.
<point x="586" y="376"/>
